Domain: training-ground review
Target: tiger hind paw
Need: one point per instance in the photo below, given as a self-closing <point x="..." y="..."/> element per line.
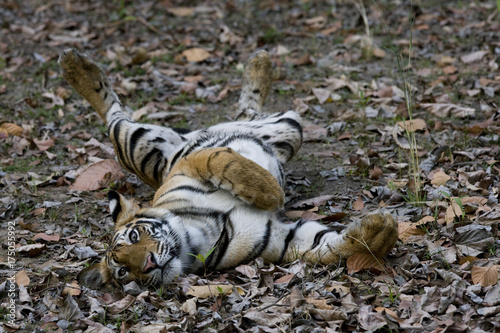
<point x="85" y="76"/>
<point x="257" y="80"/>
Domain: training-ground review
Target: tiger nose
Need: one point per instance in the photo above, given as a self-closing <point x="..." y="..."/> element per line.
<point x="150" y="263"/>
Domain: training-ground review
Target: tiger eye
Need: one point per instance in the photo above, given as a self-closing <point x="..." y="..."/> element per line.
<point x="122" y="272"/>
<point x="134" y="236"/>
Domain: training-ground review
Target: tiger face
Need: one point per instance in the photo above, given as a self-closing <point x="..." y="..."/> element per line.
<point x="143" y="248"/>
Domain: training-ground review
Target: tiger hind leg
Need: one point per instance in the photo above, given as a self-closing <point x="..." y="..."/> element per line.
<point x="257" y="80"/>
<point x="375" y="234"/>
<point x="142" y="149"/>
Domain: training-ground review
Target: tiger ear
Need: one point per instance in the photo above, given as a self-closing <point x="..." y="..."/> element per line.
<point x="95" y="276"/>
<point x="121" y="209"/>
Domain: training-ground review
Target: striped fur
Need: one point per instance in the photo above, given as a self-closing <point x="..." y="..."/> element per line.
<point x="218" y="189"/>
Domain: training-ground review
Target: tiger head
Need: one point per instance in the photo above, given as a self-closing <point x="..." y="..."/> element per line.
<point x="144" y="247"/>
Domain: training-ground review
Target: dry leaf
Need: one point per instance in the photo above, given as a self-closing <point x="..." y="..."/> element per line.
<point x="408" y="229"/>
<point x="360" y="261"/>
<point x="375" y="172"/>
<point x="339" y="288"/>
<point x="10" y="129"/>
<point x="45" y="237"/>
<point x="321" y="94"/>
<point x="22" y="278"/>
<point x="181" y="11"/>
<point x="73" y="289"/>
<point x="453" y="210"/>
<point x="196" y="54"/>
<point x="213" y="290"/>
<point x="487" y="276"/>
<point x="121" y="305"/>
<point x="449" y="69"/>
<point x="412" y="125"/>
<point x="447" y="110"/>
<point x="296" y="298"/>
<point x="247" y="270"/>
<point x="378" y="52"/>
<point x="440" y="178"/>
<point x="285" y="278"/>
<point x="473" y="57"/>
<point x="470" y="259"/>
<point x="314" y="133"/>
<point x="319" y="303"/>
<point x="312" y="202"/>
<point x="98" y="175"/>
<point x="44" y="144"/>
<point x="32" y="250"/>
<point x="358" y="204"/>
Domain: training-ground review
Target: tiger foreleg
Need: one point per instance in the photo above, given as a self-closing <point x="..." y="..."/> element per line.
<point x="257" y="80"/>
<point x="375" y="234"/>
<point x="226" y="169"/>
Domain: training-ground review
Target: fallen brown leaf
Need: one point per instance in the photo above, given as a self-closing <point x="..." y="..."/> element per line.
<point x="358" y="204"/>
<point x="412" y="125"/>
<point x="181" y="11"/>
<point x="196" y="54"/>
<point x="447" y="110"/>
<point x="487" y="276"/>
<point x="32" y="250"/>
<point x="213" y="290"/>
<point x="45" y="237"/>
<point x="22" y="278"/>
<point x="44" y="144"/>
<point x="98" y="175"/>
<point x="10" y="129"/>
<point x="440" y="178"/>
<point x="72" y="288"/>
<point x="360" y="261"/>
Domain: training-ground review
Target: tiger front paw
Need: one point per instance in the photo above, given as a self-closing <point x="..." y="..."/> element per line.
<point x="376" y="233"/>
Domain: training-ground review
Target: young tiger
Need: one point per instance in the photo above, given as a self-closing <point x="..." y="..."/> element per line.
<point x="217" y="189"/>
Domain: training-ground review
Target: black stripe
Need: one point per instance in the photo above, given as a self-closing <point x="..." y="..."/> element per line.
<point x="284" y="146"/>
<point x="158" y="139"/>
<point x="146" y="216"/>
<point x="116" y="137"/>
<point x="260" y="246"/>
<point x="289" y="238"/>
<point x="170" y="201"/>
<point x="179" y="130"/>
<point x="319" y="236"/>
<point x="112" y="195"/>
<point x="221" y="245"/>
<point x="134" y="139"/>
<point x="189" y="188"/>
<point x="156" y="171"/>
<point x="146" y="159"/>
<point x="176" y="157"/>
<point x="293" y="123"/>
<point x="213" y="214"/>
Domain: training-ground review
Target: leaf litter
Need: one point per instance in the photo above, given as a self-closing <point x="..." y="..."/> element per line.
<point x="181" y="66"/>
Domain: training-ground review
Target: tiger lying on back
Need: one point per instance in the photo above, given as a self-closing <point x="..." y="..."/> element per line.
<point x="219" y="188"/>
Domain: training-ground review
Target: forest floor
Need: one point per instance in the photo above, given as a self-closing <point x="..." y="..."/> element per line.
<point x="417" y="137"/>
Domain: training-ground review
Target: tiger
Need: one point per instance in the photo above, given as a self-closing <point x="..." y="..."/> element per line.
<point x="219" y="190"/>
